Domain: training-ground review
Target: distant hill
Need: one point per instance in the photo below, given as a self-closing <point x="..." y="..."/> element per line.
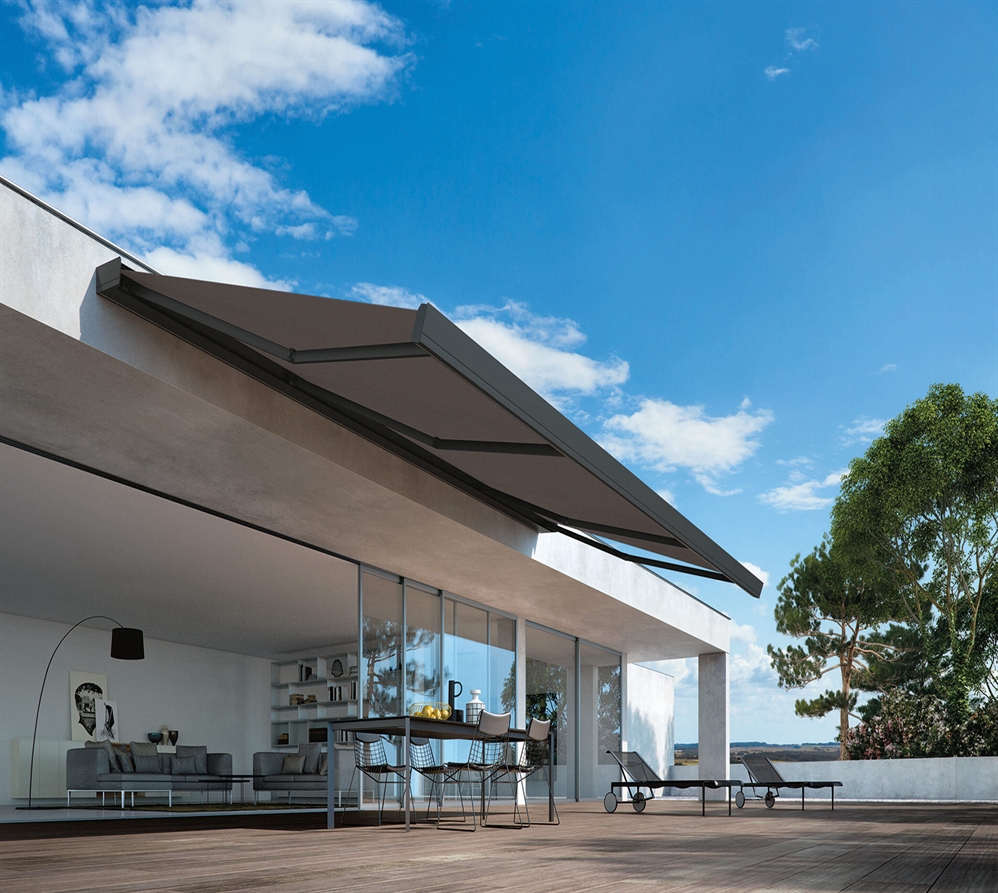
<point x="785" y="753"/>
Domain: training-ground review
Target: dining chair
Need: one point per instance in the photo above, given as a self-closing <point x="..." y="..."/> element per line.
<point x="489" y="750"/>
<point x="533" y="758"/>
<point x="424" y="763"/>
<point x="371" y="760"/>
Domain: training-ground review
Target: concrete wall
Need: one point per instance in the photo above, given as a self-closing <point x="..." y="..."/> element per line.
<point x="952" y="778"/>
<point x="213" y="698"/>
<point x="650" y="713"/>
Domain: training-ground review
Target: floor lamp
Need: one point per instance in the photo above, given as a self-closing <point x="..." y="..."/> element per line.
<point x="126" y="644"/>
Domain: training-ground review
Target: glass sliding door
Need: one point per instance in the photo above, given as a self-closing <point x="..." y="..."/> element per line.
<point x="422" y="646"/>
<point x="382" y="633"/>
<point x="500" y="695"/>
<point x="599" y="718"/>
<point x="551" y="694"/>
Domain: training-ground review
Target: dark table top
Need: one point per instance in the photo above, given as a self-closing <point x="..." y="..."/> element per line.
<point x="418" y="727"/>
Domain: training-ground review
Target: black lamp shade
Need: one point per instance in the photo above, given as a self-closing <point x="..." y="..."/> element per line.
<point x="126" y="644"/>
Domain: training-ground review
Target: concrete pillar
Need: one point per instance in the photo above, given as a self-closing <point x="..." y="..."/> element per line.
<point x="714" y="738"/>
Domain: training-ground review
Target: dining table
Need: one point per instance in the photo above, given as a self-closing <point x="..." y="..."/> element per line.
<point x="407" y="727"/>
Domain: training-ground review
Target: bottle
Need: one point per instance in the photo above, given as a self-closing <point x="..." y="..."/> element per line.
<point x="473" y="709"/>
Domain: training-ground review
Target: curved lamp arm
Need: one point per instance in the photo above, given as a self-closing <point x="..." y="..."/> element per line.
<point x="136" y="653"/>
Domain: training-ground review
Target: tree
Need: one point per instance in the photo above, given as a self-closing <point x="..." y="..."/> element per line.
<point x="830" y="602"/>
<point x="922" y="505"/>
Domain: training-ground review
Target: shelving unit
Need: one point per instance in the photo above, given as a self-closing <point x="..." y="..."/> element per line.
<point x="331" y="682"/>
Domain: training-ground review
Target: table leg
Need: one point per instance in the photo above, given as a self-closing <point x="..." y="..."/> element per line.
<point x="330" y="776"/>
<point x="408" y="773"/>
<point x="551" y="777"/>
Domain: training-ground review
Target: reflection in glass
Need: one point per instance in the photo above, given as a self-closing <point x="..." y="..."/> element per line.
<point x="599" y="719"/>
<point x="382" y="599"/>
<point x="550" y="695"/>
<point x="422" y="646"/>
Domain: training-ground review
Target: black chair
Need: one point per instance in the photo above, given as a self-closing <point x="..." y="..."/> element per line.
<point x="424" y="763"/>
<point x="763" y="774"/>
<point x="371" y="760"/>
<point x="533" y="758"/>
<point x="489" y="751"/>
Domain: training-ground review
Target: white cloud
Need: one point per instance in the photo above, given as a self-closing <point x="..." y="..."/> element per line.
<point x="887" y="367"/>
<point x="387" y="295"/>
<point x="804" y="496"/>
<point x="137" y="144"/>
<point x="212" y="267"/>
<point x="664" y="436"/>
<point x="539" y="350"/>
<point x="772" y="72"/>
<point x="802" y="461"/>
<point x="668" y="496"/>
<point x="757" y="571"/>
<point x="863" y="430"/>
<point x="798" y="41"/>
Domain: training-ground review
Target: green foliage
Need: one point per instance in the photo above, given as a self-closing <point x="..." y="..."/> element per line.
<point x="835" y="604"/>
<point x="922" y="506"/>
<point x="910" y="725"/>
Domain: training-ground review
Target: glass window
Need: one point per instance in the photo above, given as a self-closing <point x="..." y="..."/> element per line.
<point x="502" y="666"/>
<point x="599" y="718"/>
<point x="551" y="688"/>
<point x="422" y="647"/>
<point x="382" y="600"/>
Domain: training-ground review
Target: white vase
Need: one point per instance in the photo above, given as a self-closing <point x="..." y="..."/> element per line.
<point x="473" y="709"/>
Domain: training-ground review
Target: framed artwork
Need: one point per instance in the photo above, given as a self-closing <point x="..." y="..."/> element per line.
<point x="107" y="720"/>
<point x="84" y="690"/>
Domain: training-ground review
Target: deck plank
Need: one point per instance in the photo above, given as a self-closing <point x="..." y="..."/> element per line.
<point x="862" y="848"/>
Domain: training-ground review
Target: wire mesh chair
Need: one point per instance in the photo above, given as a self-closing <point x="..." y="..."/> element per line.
<point x="533" y="758"/>
<point x="489" y="751"/>
<point x="371" y="760"/>
<point x="424" y="762"/>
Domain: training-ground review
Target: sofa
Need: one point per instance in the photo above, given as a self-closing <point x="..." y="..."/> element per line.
<point x="101" y="767"/>
<point x="272" y="771"/>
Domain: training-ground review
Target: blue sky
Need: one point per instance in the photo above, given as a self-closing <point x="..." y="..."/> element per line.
<point x="729" y="240"/>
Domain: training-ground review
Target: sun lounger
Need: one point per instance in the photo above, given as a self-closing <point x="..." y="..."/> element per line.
<point x="638" y="774"/>
<point x="763" y="774"/>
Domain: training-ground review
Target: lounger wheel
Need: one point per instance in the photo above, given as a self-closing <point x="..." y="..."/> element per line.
<point x="740" y="799"/>
<point x="610" y="802"/>
<point x="770" y="799"/>
<point x="639" y="802"/>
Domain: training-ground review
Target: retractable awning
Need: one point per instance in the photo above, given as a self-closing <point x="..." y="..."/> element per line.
<point x="414" y="383"/>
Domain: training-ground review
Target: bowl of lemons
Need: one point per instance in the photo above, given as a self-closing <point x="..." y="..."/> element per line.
<point x="430" y="710"/>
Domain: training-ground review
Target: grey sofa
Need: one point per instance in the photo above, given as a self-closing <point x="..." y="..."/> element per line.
<point x="269" y="774"/>
<point x="90" y="770"/>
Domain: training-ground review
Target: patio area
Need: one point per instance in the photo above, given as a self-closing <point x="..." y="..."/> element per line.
<point x="861" y="847"/>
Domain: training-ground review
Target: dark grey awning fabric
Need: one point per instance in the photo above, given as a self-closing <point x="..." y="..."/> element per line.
<point x="413" y="382"/>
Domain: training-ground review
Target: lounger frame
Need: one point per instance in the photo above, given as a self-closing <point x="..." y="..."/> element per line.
<point x="638" y="774"/>
<point x="763" y="774"/>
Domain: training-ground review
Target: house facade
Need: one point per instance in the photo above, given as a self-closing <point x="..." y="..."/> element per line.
<point x="284" y="491"/>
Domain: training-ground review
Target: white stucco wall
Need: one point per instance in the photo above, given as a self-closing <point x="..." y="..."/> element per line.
<point x="213" y="698"/>
<point x="650" y="730"/>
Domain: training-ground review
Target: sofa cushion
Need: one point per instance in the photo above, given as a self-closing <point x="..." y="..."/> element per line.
<point x="146" y="763"/>
<point x="184" y="766"/>
<point x="312" y="753"/>
<point x="294" y="764"/>
<point x="146" y="748"/>
<point x="112" y="757"/>
<point x="125" y="763"/>
<point x="200" y="755"/>
<point x="324" y="764"/>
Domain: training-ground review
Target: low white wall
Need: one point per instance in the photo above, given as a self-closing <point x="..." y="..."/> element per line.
<point x="948" y="778"/>
<point x="214" y="698"/>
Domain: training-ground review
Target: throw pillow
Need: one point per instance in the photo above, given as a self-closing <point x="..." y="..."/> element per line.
<point x="200" y="755"/>
<point x="324" y="765"/>
<point x="294" y="764"/>
<point x="146" y="763"/>
<point x="312" y="753"/>
<point x="146" y="748"/>
<point x="124" y="759"/>
<point x="112" y="757"/>
<point x="184" y="766"/>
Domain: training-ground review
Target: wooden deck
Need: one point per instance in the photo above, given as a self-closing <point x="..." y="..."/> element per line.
<point x="863" y="848"/>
